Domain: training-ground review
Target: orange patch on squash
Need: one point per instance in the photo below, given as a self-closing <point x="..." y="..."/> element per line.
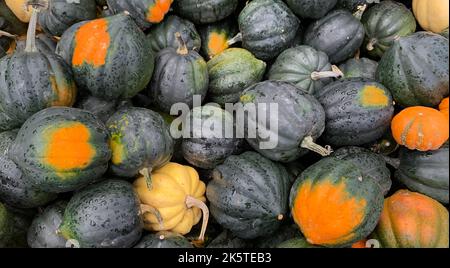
<point x="217" y="43"/>
<point x="92" y="42"/>
<point x="326" y="214"/>
<point x="373" y="97"/>
<point x="63" y="92"/>
<point x="156" y="12"/>
<point x="68" y="147"/>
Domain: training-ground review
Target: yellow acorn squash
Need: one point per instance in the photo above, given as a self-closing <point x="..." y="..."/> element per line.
<point x="432" y="15"/>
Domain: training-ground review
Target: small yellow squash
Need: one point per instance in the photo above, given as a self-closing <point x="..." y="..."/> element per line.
<point x="432" y="15"/>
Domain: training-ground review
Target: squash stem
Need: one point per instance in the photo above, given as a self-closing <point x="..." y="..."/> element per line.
<point x="394" y="162"/>
<point x="234" y="40"/>
<point x="334" y="73"/>
<point x="182" y="48"/>
<point x="31" y="34"/>
<point x="149" y="209"/>
<point x="193" y="202"/>
<point x="146" y="172"/>
<point x="308" y="143"/>
<point x="280" y="217"/>
<point x="6" y="34"/>
<point x="370" y="45"/>
<point x="360" y="11"/>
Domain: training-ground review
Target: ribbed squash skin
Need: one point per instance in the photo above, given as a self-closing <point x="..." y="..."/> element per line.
<point x="216" y="36"/>
<point x="61" y="149"/>
<point x="203" y="149"/>
<point x="110" y="57"/>
<point x="43" y="229"/>
<point x="358" y="111"/>
<point x="296" y="65"/>
<point x="61" y="14"/>
<point x="363" y="67"/>
<point x="231" y="72"/>
<point x="205" y="11"/>
<point x="384" y="23"/>
<point x="413" y="74"/>
<point x="177" y="78"/>
<point x="248" y="195"/>
<point x="426" y="172"/>
<point x="140" y="138"/>
<point x="15" y="188"/>
<point x="412" y="220"/>
<point x="335" y="203"/>
<point x="339" y="34"/>
<point x="164" y="240"/>
<point x="312" y="9"/>
<point x="268" y="27"/>
<point x="298" y="112"/>
<point x="162" y="35"/>
<point x="144" y="12"/>
<point x="103" y="215"/>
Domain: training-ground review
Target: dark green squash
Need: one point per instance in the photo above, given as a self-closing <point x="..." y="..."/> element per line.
<point x="299" y="242"/>
<point x="384" y="23"/>
<point x="164" y="240"/>
<point x="358" y="111"/>
<point x="32" y="80"/>
<point x="205" y="11"/>
<point x="305" y="67"/>
<point x="359" y="67"/>
<point x="61" y="149"/>
<point x="227" y="240"/>
<point x="208" y="144"/>
<point x="284" y="233"/>
<point x="267" y="27"/>
<point x="162" y="35"/>
<point x="352" y="5"/>
<point x="335" y="203"/>
<point x="248" y="195"/>
<point x="311" y="9"/>
<point x="103" y="215"/>
<point x="413" y="74"/>
<point x="58" y="15"/>
<point x="110" y="57"/>
<point x="300" y="119"/>
<point x="144" y="12"/>
<point x="43" y="232"/>
<point x="179" y="75"/>
<point x="231" y="72"/>
<point x="426" y="172"/>
<point x="13" y="228"/>
<point x="102" y="109"/>
<point x="44" y="44"/>
<point x="372" y="165"/>
<point x="218" y="36"/>
<point x="16" y="189"/>
<point x="140" y="138"/>
<point x="339" y="34"/>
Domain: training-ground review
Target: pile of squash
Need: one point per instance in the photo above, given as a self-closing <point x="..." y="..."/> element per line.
<point x="87" y="158"/>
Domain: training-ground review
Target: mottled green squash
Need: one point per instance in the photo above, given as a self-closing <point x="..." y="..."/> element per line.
<point x="384" y="23"/>
<point x="103" y="215"/>
<point x="218" y="36"/>
<point x="248" y="195"/>
<point x="162" y="35"/>
<point x="110" y="57"/>
<point x="311" y="9"/>
<point x="413" y="74"/>
<point x="205" y="11"/>
<point x="267" y="27"/>
<point x="164" y="240"/>
<point x="358" y="111"/>
<point x="359" y="67"/>
<point x="305" y="67"/>
<point x="140" y="138"/>
<point x="231" y="72"/>
<point x="61" y="149"/>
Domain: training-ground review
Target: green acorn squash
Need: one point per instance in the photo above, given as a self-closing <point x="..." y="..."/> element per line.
<point x="305" y="67"/>
<point x="248" y="195"/>
<point x="358" y="111"/>
<point x="103" y="215"/>
<point x="164" y="239"/>
<point x="415" y="76"/>
<point x="110" y="57"/>
<point x="359" y="67"/>
<point x="61" y="149"/>
<point x="231" y="72"/>
<point x="205" y="11"/>
<point x="140" y="138"/>
<point x="384" y="23"/>
<point x="218" y="36"/>
<point x="311" y="9"/>
<point x="267" y="28"/>
<point x="339" y="34"/>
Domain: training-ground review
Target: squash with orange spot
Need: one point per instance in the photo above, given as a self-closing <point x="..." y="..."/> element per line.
<point x="412" y="220"/>
<point x="110" y="57"/>
<point x="217" y="37"/>
<point x="420" y="128"/>
<point x="335" y="203"/>
<point x="205" y="11"/>
<point x="32" y="80"/>
<point x="358" y="111"/>
<point x="144" y="12"/>
<point x="61" y="149"/>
